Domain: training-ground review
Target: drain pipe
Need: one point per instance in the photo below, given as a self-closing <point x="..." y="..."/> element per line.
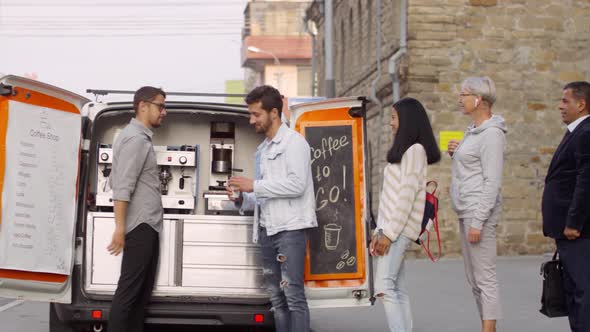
<point x="403" y="36"/>
<point x="312" y="30"/>
<point x="376" y="80"/>
<point x="376" y="100"/>
<point x="374" y="97"/>
<point x="329" y="48"/>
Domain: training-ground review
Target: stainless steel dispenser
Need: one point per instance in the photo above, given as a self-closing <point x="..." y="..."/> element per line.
<point x="222" y="156"/>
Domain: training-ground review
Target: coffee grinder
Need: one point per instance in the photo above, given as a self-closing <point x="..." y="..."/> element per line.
<point x="221" y="151"/>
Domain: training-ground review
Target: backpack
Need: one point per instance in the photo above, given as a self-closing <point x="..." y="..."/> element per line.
<point x="429" y="221"/>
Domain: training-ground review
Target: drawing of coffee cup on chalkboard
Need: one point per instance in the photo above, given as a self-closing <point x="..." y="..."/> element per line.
<point x="332" y="236"/>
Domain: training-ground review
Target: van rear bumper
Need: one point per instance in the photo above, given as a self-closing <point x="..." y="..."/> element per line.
<point x="80" y="311"/>
<point x="171" y="314"/>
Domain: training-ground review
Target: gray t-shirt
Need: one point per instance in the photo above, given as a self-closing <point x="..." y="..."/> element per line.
<point x="134" y="177"/>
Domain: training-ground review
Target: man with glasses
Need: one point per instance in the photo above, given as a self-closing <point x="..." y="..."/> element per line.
<point x="138" y="211"/>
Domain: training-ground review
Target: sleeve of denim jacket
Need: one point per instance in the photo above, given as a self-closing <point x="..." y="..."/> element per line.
<point x="127" y="167"/>
<point x="248" y="202"/>
<point x="298" y="160"/>
<point x="492" y="164"/>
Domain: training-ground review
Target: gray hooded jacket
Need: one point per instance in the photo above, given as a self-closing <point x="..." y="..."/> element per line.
<point x="478" y="164"/>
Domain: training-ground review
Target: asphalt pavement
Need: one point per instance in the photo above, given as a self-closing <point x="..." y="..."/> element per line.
<point x="441" y="302"/>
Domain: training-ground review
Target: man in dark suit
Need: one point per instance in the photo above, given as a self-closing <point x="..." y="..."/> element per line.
<point x="566" y="202"/>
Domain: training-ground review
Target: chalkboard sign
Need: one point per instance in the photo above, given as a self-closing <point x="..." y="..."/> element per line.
<point x="333" y="245"/>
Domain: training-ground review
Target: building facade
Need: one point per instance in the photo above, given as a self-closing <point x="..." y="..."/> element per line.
<point x="530" y="48"/>
<point x="276" y="47"/>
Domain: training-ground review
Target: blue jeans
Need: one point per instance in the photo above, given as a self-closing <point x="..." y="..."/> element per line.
<point x="283" y="261"/>
<point x="390" y="285"/>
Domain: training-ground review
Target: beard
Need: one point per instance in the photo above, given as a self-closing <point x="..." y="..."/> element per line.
<point x="263" y="127"/>
<point x="157" y="123"/>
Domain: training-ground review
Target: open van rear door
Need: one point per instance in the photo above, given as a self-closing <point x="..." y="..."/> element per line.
<point x="40" y="138"/>
<point x="338" y="269"/>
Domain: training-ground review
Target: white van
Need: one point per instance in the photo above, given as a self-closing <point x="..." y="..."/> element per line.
<point x="57" y="220"/>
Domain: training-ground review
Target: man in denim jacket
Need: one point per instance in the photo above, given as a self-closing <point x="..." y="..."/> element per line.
<point x="282" y="198"/>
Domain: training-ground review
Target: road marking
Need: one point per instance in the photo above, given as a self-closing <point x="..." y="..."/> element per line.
<point x="11" y="305"/>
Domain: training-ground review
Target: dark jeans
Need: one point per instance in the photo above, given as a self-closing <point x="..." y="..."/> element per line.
<point x="575" y="257"/>
<point x="283" y="268"/>
<point x="138" y="274"/>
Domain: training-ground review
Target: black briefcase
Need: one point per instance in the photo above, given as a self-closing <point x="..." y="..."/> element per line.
<point x="553" y="297"/>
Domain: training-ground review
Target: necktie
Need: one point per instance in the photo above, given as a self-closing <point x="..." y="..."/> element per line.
<point x="563" y="140"/>
<point x="557" y="152"/>
<point x="567" y="133"/>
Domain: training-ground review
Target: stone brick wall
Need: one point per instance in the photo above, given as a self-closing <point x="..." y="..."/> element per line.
<point x="530" y="48"/>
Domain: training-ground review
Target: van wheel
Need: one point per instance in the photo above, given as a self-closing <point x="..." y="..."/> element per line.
<point x="56" y="325"/>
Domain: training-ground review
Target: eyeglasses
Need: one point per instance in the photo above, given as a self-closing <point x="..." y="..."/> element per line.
<point x="466" y="94"/>
<point x="161" y="107"/>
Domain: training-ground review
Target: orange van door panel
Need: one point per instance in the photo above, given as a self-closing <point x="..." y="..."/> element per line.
<point x="40" y="135"/>
<point x="338" y="266"/>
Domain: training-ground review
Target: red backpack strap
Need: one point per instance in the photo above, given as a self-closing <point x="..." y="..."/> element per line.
<point x="435" y="186"/>
<point x="435" y="222"/>
<point x="427" y="246"/>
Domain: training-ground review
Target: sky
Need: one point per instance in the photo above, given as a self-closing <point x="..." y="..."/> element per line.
<point x="179" y="45"/>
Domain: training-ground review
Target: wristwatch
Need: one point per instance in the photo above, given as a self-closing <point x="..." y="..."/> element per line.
<point x="379" y="234"/>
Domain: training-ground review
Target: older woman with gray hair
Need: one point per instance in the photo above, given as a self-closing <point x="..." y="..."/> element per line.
<point x="478" y="162"/>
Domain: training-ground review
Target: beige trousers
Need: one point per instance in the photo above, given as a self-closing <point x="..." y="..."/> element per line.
<point x="480" y="267"/>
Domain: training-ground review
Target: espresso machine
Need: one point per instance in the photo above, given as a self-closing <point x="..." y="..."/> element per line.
<point x="221" y="168"/>
<point x="178" y="175"/>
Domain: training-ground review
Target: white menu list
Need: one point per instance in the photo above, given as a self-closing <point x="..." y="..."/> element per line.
<point x="39" y="191"/>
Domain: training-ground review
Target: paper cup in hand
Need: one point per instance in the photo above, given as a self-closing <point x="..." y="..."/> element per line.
<point x="235" y="193"/>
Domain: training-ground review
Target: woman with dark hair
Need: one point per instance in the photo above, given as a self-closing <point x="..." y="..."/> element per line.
<point x="401" y="206"/>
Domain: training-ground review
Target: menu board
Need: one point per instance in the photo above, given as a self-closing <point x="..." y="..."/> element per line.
<point x="39" y="188"/>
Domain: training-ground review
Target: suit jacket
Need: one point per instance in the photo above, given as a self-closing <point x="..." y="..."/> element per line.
<point x="566" y="198"/>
